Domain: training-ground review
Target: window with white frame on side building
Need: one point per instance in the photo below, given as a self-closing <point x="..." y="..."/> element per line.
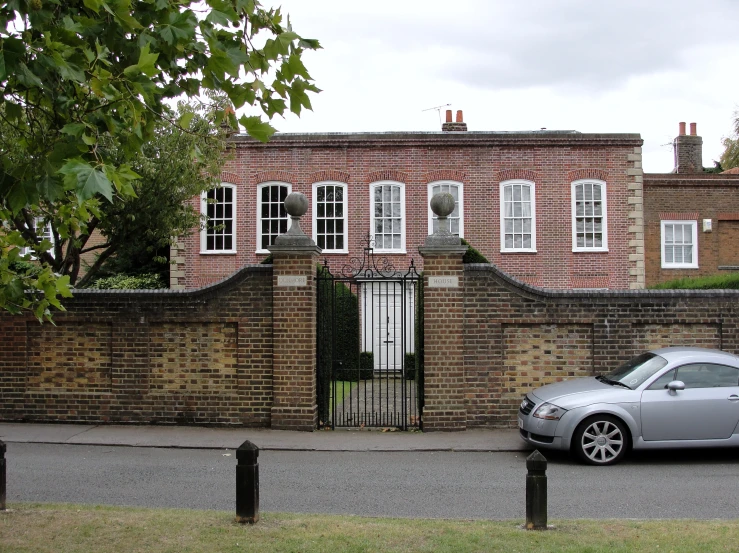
<point x="456" y="218"/>
<point x="219" y="232"/>
<point x="679" y="242"/>
<point x="272" y="217"/>
<point x="43" y="232"/>
<point x="329" y="216"/>
<point x="387" y="214"/>
<point x="517" y="216"/>
<point x="589" y="216"/>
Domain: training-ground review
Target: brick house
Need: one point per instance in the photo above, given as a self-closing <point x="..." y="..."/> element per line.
<point x="557" y="209"/>
<point x="691" y="218"/>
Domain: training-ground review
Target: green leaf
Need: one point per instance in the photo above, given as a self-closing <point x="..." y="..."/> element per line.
<point x="217" y="17"/>
<point x="3" y="73"/>
<point x="147" y="61"/>
<point x="27" y="78"/>
<point x="257" y="128"/>
<point x="49" y="189"/>
<point x="185" y="119"/>
<point x="297" y="67"/>
<point x="74" y="129"/>
<point x="145" y="64"/>
<point x="85" y="180"/>
<point x="94" y="5"/>
<point x="13" y="111"/>
<point x="19" y="196"/>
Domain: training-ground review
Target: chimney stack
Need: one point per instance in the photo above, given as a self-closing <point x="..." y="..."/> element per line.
<point x="458" y="126"/>
<point x="688" y="151"/>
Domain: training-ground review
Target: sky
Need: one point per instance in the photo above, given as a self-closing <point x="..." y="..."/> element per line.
<point x="601" y="66"/>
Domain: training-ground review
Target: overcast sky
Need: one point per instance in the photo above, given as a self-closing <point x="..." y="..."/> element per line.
<point x="588" y="65"/>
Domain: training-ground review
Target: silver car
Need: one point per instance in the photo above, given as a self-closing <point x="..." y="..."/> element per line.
<point x="666" y="398"/>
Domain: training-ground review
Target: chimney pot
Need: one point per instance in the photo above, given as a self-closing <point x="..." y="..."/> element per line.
<point x="693" y="129"/>
<point x="682" y="129"/>
<point x="459" y="116"/>
<point x="448" y="116"/>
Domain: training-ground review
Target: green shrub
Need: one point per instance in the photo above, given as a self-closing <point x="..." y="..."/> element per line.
<point x="713" y="282"/>
<point x="409" y="367"/>
<point x="338" y="315"/>
<point x="148" y="281"/>
<point x="472" y="255"/>
<point x="365" y="371"/>
<point x="25" y="267"/>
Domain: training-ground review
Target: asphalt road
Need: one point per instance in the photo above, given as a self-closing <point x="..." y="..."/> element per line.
<point x="702" y="484"/>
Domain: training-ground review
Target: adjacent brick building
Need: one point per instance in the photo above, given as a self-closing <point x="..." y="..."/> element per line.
<point x="557" y="209"/>
<point x="691" y="218"/>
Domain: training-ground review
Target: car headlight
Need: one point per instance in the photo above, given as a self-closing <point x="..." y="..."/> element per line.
<point x="549" y="412"/>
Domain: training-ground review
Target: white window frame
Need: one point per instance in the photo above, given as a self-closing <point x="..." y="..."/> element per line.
<point x="694" y="237"/>
<point x="260" y="187"/>
<point x="532" y="195"/>
<point x="401" y="187"/>
<point x="604" y="215"/>
<point x="345" y="204"/>
<point x="204" y="231"/>
<point x="43" y="234"/>
<point x="459" y="205"/>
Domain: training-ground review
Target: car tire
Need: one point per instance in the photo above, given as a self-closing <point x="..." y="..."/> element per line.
<point x="600" y="440"/>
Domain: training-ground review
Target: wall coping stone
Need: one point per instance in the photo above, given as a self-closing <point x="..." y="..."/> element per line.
<point x="227" y="282"/>
<point x="694" y="179"/>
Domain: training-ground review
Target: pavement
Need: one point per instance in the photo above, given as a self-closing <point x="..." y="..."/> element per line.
<point x="198" y="437"/>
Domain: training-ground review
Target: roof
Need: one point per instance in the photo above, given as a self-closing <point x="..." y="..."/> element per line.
<point x="466" y="138"/>
<point x="733" y="171"/>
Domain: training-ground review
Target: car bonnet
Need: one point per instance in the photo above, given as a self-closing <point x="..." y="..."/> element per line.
<point x="578" y="392"/>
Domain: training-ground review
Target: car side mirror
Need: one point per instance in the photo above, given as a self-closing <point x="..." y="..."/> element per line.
<point x="676" y="385"/>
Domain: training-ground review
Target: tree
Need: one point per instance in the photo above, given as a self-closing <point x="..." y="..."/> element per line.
<point x="86" y="84"/>
<point x="730" y="157"/>
<point x="134" y="233"/>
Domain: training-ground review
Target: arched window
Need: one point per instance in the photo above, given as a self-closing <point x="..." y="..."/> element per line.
<point x="387" y="216"/>
<point x="456" y="219"/>
<point x="272" y="218"/>
<point x="517" y="216"/>
<point x="589" y="220"/>
<point x="219" y="207"/>
<point x="329" y="216"/>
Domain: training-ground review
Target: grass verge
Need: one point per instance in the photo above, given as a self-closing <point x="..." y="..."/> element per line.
<point x="46" y="528"/>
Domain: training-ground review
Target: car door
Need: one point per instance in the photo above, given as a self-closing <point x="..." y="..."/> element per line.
<point x="707" y="409"/>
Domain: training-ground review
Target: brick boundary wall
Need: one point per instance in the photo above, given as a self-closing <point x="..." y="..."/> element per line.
<point x="206" y="356"/>
<point x="518" y="337"/>
<point x="161" y="356"/>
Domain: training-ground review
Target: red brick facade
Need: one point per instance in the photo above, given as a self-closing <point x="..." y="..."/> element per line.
<point x="479" y="161"/>
<point x="696" y="197"/>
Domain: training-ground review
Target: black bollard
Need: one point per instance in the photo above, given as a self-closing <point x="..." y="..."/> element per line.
<point x="2" y="475"/>
<point x="536" y="492"/>
<point x="247" y="483"/>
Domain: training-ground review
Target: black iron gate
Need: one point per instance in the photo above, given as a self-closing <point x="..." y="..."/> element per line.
<point x="368" y="345"/>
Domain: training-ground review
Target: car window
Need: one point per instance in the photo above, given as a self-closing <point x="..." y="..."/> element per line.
<point x="707" y="375"/>
<point x="662" y="382"/>
<point x="639" y="369"/>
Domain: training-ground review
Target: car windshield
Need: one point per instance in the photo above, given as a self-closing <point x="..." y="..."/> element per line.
<point x="639" y="369"/>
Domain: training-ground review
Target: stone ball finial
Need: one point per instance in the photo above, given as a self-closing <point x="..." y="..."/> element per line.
<point x="296" y="204"/>
<point x="442" y="204"/>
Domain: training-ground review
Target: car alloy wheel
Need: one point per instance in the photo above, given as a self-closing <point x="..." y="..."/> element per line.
<point x="601" y="440"/>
